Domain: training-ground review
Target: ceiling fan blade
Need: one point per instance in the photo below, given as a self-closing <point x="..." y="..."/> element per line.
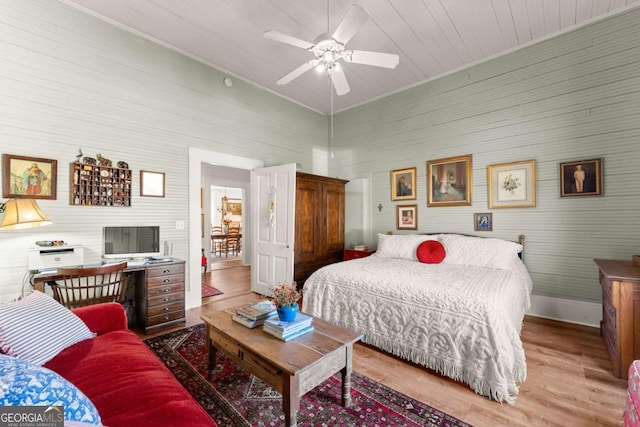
<point x="284" y="38"/>
<point x="297" y="72"/>
<point x="378" y="59"/>
<point x="339" y="81"/>
<point x="355" y="19"/>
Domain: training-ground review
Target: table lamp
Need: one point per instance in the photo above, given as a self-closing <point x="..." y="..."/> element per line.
<point x="22" y="213"/>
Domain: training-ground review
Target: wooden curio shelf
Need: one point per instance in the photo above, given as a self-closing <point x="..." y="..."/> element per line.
<point x="95" y="185"/>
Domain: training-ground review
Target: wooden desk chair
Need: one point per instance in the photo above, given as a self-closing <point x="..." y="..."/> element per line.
<point x="217" y="244"/>
<point x="233" y="241"/>
<point x="80" y="287"/>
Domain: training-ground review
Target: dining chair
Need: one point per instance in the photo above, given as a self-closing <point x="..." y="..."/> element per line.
<point x="82" y="286"/>
<point x="233" y="241"/>
<point x="217" y="243"/>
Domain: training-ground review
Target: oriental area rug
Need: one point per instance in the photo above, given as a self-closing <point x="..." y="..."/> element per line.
<point x="210" y="291"/>
<point x="237" y="398"/>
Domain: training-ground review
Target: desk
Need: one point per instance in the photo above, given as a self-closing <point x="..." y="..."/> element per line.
<point x="223" y="237"/>
<point x="159" y="293"/>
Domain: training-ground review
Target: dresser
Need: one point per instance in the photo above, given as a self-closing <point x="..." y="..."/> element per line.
<point x="319" y="224"/>
<point x="620" y="326"/>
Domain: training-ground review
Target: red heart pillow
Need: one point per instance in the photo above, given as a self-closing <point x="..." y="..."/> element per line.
<point x="431" y="252"/>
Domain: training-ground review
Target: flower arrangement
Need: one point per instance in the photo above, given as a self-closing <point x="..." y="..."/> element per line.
<point x="226" y="215"/>
<point x="286" y="295"/>
<point x="510" y="183"/>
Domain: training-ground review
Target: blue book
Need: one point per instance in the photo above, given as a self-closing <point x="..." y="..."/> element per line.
<point x="293" y="334"/>
<point x="302" y="320"/>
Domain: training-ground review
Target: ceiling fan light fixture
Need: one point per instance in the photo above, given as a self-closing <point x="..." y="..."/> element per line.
<point x="330" y="48"/>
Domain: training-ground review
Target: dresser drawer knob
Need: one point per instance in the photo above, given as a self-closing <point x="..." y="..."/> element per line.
<point x="166" y="309"/>
<point x="166" y="317"/>
<point x="166" y="280"/>
<point x="166" y="300"/>
<point x="165" y="290"/>
<point x="166" y="271"/>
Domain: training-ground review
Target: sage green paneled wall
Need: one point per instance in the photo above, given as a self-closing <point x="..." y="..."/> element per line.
<point x="69" y="80"/>
<point x="573" y="97"/>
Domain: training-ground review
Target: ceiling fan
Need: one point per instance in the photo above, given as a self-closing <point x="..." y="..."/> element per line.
<point x="329" y="49"/>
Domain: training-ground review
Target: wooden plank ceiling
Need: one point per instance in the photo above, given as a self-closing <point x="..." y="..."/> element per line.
<point x="432" y="37"/>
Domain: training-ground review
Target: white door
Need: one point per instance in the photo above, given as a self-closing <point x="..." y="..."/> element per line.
<point x="273" y="192"/>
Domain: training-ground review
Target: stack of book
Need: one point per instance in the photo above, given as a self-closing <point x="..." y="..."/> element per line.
<point x="288" y="330"/>
<point x="255" y="314"/>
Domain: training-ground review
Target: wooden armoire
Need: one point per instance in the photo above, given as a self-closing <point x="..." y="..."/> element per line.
<point x="319" y="232"/>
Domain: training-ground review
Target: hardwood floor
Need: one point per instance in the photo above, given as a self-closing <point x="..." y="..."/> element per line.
<point x="569" y="382"/>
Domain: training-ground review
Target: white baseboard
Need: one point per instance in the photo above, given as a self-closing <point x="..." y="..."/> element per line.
<point x="579" y="312"/>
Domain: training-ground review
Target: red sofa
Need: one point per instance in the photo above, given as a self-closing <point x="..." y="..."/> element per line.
<point x="127" y="383"/>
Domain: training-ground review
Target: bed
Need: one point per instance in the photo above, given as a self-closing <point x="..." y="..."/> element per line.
<point x="460" y="317"/>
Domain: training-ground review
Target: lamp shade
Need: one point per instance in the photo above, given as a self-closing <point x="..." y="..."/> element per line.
<point x="23" y="213"/>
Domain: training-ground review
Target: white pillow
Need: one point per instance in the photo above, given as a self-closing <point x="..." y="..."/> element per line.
<point x="401" y="245"/>
<point x="480" y="251"/>
<point x="37" y="328"/>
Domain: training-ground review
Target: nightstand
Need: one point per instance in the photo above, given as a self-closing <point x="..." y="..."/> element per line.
<point x="353" y="254"/>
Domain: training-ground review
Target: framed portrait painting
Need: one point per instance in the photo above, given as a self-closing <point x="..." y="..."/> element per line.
<point x="407" y="217"/>
<point x="449" y="181"/>
<point x="512" y="185"/>
<point x="482" y="222"/>
<point x="581" y="178"/>
<point x="403" y="184"/>
<point x="29" y="177"/>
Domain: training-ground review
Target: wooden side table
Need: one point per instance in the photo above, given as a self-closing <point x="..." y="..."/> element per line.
<point x="620" y="326"/>
<point x="353" y="254"/>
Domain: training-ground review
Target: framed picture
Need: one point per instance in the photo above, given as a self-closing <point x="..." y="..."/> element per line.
<point x="482" y="222"/>
<point x="581" y="178"/>
<point x="403" y="184"/>
<point x="234" y="206"/>
<point x="512" y="185"/>
<point x="449" y="181"/>
<point x="29" y="177"/>
<point x="151" y="184"/>
<point x="407" y="217"/>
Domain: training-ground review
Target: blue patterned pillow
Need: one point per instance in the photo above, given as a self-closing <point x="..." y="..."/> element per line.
<point x="22" y="383"/>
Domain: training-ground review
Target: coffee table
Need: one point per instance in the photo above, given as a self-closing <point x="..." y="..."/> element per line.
<point x="292" y="368"/>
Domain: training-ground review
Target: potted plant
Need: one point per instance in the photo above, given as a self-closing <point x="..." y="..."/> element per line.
<point x="286" y="297"/>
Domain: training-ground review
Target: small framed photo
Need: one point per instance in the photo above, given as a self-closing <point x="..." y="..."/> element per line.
<point x="407" y="217"/>
<point x="28" y="177"/>
<point x="581" y="178"/>
<point x="151" y="184"/>
<point x="403" y="184"/>
<point x="482" y="222"/>
<point x="512" y="185"/>
<point x="449" y="181"/>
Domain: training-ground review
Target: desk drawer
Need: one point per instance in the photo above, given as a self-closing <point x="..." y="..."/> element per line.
<point x="162" y="318"/>
<point x="164" y="280"/>
<point x="166" y="308"/>
<point x="262" y="369"/>
<point x="165" y="270"/>
<point x="225" y="343"/>
<point x="164" y="290"/>
<point x="165" y="299"/>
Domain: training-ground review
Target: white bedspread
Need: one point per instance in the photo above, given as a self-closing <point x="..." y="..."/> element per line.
<point x="463" y="322"/>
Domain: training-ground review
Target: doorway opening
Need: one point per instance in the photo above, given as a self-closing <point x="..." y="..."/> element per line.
<point x="227" y="219"/>
<point x="199" y="161"/>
